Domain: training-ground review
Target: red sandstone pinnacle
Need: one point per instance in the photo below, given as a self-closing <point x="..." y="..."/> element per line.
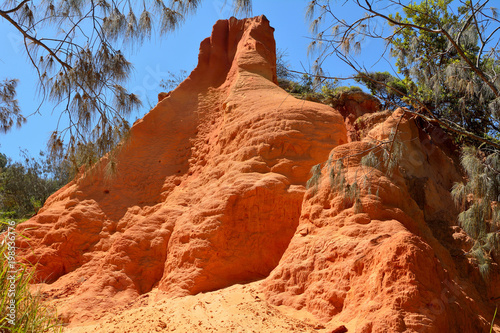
<point x="208" y="189"/>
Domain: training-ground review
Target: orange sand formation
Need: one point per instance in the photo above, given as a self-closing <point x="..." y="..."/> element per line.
<point x="210" y="193"/>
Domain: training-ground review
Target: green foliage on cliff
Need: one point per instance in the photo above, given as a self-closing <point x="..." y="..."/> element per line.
<point x="446" y="57"/>
<point x="479" y="200"/>
<point x="449" y="62"/>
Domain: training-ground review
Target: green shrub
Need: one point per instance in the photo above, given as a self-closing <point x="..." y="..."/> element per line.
<point x="20" y="310"/>
<point x="24" y="187"/>
<point x="478" y="200"/>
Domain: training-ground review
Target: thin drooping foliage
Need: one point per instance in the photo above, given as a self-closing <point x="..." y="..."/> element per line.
<point x="10" y="113"/>
<point x="452" y="64"/>
<point x="173" y="80"/>
<point x="282" y="66"/>
<point x="447" y="57"/>
<point x="383" y="155"/>
<point x="27" y="313"/>
<point x="349" y="191"/>
<point x="313" y="182"/>
<point x="479" y="200"/>
<point x="75" y="48"/>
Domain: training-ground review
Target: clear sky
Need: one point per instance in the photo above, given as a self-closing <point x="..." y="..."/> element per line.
<point x="174" y="52"/>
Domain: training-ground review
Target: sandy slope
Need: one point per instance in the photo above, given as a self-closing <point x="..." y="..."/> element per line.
<point x="239" y="308"/>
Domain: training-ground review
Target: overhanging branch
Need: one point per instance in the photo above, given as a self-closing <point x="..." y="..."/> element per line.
<point x="34" y="40"/>
<point x="451" y="126"/>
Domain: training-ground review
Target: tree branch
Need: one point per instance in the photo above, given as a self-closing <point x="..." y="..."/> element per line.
<point x="15" y="8"/>
<point x="457" y="47"/>
<point x="454" y="127"/>
<point x="34" y="40"/>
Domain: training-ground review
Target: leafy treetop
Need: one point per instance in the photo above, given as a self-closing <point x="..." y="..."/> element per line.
<point x="447" y="57"/>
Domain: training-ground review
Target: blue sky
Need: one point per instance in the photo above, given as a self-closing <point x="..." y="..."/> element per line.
<point x="152" y="62"/>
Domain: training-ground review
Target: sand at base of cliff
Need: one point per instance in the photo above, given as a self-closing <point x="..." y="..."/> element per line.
<point x="239" y="308"/>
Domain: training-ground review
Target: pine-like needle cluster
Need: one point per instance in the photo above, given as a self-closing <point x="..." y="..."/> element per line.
<point x="75" y="47"/>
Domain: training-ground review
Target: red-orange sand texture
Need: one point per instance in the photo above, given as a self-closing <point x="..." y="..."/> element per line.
<point x="209" y="196"/>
